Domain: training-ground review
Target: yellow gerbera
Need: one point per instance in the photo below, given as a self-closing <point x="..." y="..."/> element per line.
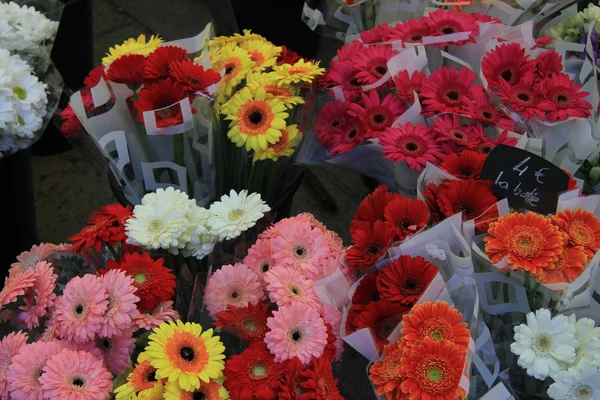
<point x="263" y="54"/>
<point x="236" y="38"/>
<point x="132" y="46"/>
<point x="185" y="355"/>
<point x="141" y="382"/>
<point x="236" y="64"/>
<point x="256" y="119"/>
<point x="302" y="71"/>
<point x="285" y="93"/>
<point x="290" y="137"/>
<point x="212" y="390"/>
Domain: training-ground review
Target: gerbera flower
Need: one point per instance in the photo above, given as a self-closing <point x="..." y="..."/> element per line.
<point x="39" y="298"/>
<point x="184" y="354"/>
<point x="332" y="115"/>
<point x="290" y="380"/>
<point x="141" y="382"/>
<point x="157" y="63"/>
<point x="93" y="77"/>
<point x="545" y="345"/>
<point x="99" y="230"/>
<point x="411" y="31"/>
<point x="236" y="213"/>
<point x="381" y="318"/>
<point x="194" y="77"/>
<point x="588" y="337"/>
<point x="121" y="303"/>
<point x="569" y="265"/>
<point x="132" y="46"/>
<point x="301" y="71"/>
<point x="436" y="321"/>
<point x="212" y="390"/>
<point x="405" y="279"/>
<point x="345" y="138"/>
<point x="370" y="244"/>
<point x="582" y="227"/>
<point x="285" y="94"/>
<point x="530" y="241"/>
<point x="318" y="381"/>
<point x="349" y="50"/>
<point x="433" y="368"/>
<point x="235" y="285"/>
<point x="260" y="258"/>
<point x="127" y="69"/>
<point x="460" y="7"/>
<point x="248" y="323"/>
<point x="467" y="165"/>
<point x="366" y="291"/>
<point x="474" y="198"/>
<point x="407" y="216"/>
<point x="296" y="331"/>
<point x="548" y="63"/>
<point x="480" y="109"/>
<point x="487" y="144"/>
<point x="385" y="374"/>
<point x="116" y="351"/>
<point x="407" y="85"/>
<point x="563" y="99"/>
<point x="446" y="90"/>
<point x="373" y="35"/>
<point x="443" y="22"/>
<point x="415" y="144"/>
<point x="22" y="375"/>
<point x="75" y="374"/>
<point x="162" y="97"/>
<point x="153" y="281"/>
<point x="371" y="63"/>
<point x="263" y="54"/>
<point x="377" y="115"/>
<point x="509" y="63"/>
<point x="353" y="313"/>
<point x="285" y="146"/>
<point x="333" y="318"/>
<point x="235" y="62"/>
<point x="10" y="345"/>
<point x="286" y="287"/>
<point x="81" y="312"/>
<point x="372" y="208"/>
<point x="253" y="374"/>
<point x="579" y="382"/>
<point x="345" y="75"/>
<point x="163" y="312"/>
<point x="524" y="98"/>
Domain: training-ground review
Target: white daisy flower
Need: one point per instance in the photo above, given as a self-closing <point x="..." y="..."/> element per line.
<point x="545" y="345"/>
<point x="7" y="109"/>
<point x="236" y="213"/>
<point x="27" y="88"/>
<point x="577" y="383"/>
<point x="588" y="337"/>
<point x="27" y="123"/>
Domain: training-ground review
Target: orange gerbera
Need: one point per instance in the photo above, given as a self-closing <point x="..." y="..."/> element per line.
<point x="582" y="227"/>
<point x="530" y="241"/>
<point x="567" y="267"/>
<point x="433" y="369"/>
<point x="436" y="321"/>
<point x="385" y="374"/>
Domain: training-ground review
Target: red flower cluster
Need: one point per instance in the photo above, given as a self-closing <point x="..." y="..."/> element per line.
<point x="107" y="225"/>
<point x="381" y="219"/>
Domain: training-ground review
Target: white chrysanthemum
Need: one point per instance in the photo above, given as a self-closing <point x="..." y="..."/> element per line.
<point x="545" y="345"/>
<point x="27" y="88"/>
<point x="588" y="337"/>
<point x="27" y="123"/>
<point x="236" y="213"/>
<point x="7" y="109"/>
<point x="577" y="383"/>
<point x="26" y="28"/>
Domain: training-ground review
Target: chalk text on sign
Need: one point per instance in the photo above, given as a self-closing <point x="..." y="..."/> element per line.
<point x="531" y="197"/>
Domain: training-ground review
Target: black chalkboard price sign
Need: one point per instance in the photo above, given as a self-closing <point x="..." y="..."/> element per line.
<point x="526" y="180"/>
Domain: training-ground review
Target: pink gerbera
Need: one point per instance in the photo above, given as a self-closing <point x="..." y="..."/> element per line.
<point x="332" y="115"/>
<point x="371" y="63"/>
<point x="331" y="316"/>
<point x="9" y="347"/>
<point x="286" y="286"/>
<point x="116" y="351"/>
<point x="40" y="297"/>
<point x="414" y="144"/>
<point x="508" y="63"/>
<point x="447" y="89"/>
<point x="51" y="326"/>
<point x="163" y="312"/>
<point x="81" y="312"/>
<point x="15" y="285"/>
<point x="523" y="98"/>
<point x="349" y="51"/>
<point x="407" y="84"/>
<point x="26" y="367"/>
<point x="480" y="109"/>
<point x="548" y="63"/>
<point x="345" y="75"/>
<point x="122" y="307"/>
<point x="377" y="115"/>
<point x="563" y="99"/>
<point x="235" y="284"/>
<point x="73" y="374"/>
<point x="260" y="258"/>
<point x="447" y="22"/>
<point x="42" y="252"/>
<point x="412" y="31"/>
<point x="301" y="247"/>
<point x="348" y="136"/>
<point x="296" y="331"/>
<point x="454" y="136"/>
<point x="89" y="347"/>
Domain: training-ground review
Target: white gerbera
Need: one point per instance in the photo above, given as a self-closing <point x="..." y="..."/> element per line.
<point x="236" y="213"/>
<point x="577" y="383"/>
<point x="198" y="219"/>
<point x="200" y="250"/>
<point x="588" y="337"/>
<point x="545" y="345"/>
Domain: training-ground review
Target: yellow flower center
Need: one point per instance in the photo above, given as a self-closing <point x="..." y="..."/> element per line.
<point x="584" y="391"/>
<point x="236" y="214"/>
<point x="20" y="92"/>
<point x="155" y="226"/>
<point x="543" y="343"/>
<point x="581" y="234"/>
<point x="140" y="278"/>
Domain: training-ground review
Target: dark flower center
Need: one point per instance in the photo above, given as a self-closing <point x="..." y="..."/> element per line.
<point x="404" y="223"/>
<point x="168" y="112"/>
<point x="198" y="396"/>
<point x="458" y="135"/>
<point x="106" y="344"/>
<point x="523" y="96"/>
<point x="335" y="123"/>
<point x="235" y="294"/>
<point x="466" y="172"/>
<point x="187" y="353"/>
<point x="410" y="146"/>
<point x="296" y="336"/>
<point x="300" y="251"/>
<point x="352" y="133"/>
<point x="381" y="70"/>
<point x="151" y="377"/>
<point x="506" y="75"/>
<point x="77" y="381"/>
<point x="411" y="284"/>
<point x="468" y="209"/>
<point x="448" y="30"/>
<point x="453" y="95"/>
<point x="487" y="114"/>
<point x="78" y="308"/>
<point x="416" y="37"/>
<point x="264" y="267"/>
<point x="229" y="69"/>
<point x="295" y="291"/>
<point x="373" y="249"/>
<point x="561" y="98"/>
<point x="379" y="118"/>
<point x="255" y="117"/>
<point x="354" y="82"/>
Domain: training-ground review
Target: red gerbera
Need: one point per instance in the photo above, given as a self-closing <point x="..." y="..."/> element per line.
<point x="330" y="349"/>
<point x="404" y="280"/>
<point x="430" y="195"/>
<point x="162" y="96"/>
<point x="563" y="99"/>
<point x="572" y="181"/>
<point x="447" y="89"/>
<point x="371" y="62"/>
<point x="289" y="385"/>
<point x="247" y="323"/>
<point x="381" y="318"/>
<point x="332" y="115"/>
<point x="372" y="208"/>
<point x="407" y="84"/>
<point x="407" y="216"/>
<point x="349" y="51"/>
<point x="542" y="41"/>
<point x="344" y="74"/>
<point x="481" y="18"/>
<point x="71" y="126"/>
<point x="353" y="313"/>
<point x="480" y="109"/>
<point x="194" y="77"/>
<point x="467" y="165"/>
<point x="416" y="145"/>
<point x="153" y="281"/>
<point x="454" y="136"/>
<point x="94" y="76"/>
<point x="366" y="291"/>
<point x="370" y="244"/>
<point x="157" y="63"/>
<point x="487" y="144"/>
<point x="127" y="69"/>
<point x="548" y="63"/>
<point x="344" y="138"/>
<point x="474" y="198"/>
<point x="253" y="374"/>
<point x="447" y="22"/>
<point x="100" y="230"/>
<point x="377" y="115"/>
<point x="412" y="31"/>
<point x="318" y="382"/>
<point x="524" y="98"/>
<point x="582" y="227"/>
<point x="508" y="63"/>
<point x="287" y="56"/>
<point x="373" y="35"/>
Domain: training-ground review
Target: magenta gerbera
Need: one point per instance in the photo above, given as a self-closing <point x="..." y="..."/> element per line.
<point x="345" y="75"/>
<point x="415" y="144"/>
<point x="235" y="284"/>
<point x="412" y="31"/>
<point x="563" y="99"/>
<point x="524" y="98"/>
<point x="371" y="63"/>
<point x="454" y="136"/>
<point x="377" y="115"/>
<point x="347" y="52"/>
<point x="81" y="312"/>
<point x="296" y="331"/>
<point x="122" y="307"/>
<point x="447" y="89"/>
<point x="260" y="258"/>
<point x="163" y="312"/>
<point x="331" y="116"/>
<point x="286" y="286"/>
<point x="508" y="63"/>
<point x="40" y="297"/>
<point x="407" y="85"/>
<point x="348" y="136"/>
<point x="442" y="22"/>
<point x="116" y="351"/>
<point x="548" y="63"/>
<point x="9" y="347"/>
<point x="480" y="109"/>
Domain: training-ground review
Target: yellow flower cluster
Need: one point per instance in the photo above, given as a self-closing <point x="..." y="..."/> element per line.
<point x="132" y="46"/>
<point x="180" y="361"/>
